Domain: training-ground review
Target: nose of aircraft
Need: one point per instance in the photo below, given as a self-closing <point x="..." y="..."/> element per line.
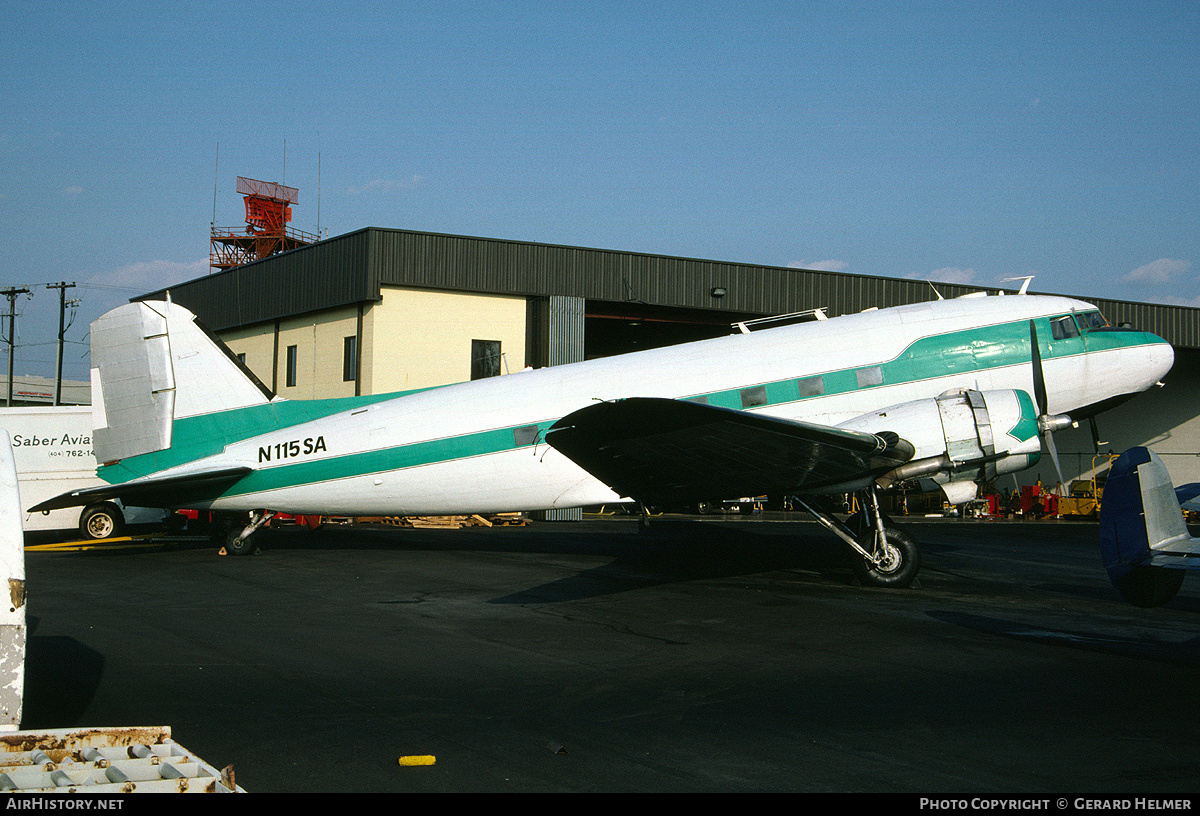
<point x="1161" y="356"/>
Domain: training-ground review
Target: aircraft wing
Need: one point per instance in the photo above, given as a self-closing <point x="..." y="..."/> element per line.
<point x="662" y="451"/>
<point x="168" y="491"/>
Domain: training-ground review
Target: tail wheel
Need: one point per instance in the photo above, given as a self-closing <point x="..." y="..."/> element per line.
<point x="1146" y="586"/>
<point x="101" y="521"/>
<point x="897" y="565"/>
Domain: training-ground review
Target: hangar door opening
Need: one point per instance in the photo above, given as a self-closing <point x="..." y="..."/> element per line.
<point x="619" y="328"/>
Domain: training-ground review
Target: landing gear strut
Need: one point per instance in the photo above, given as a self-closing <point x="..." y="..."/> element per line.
<point x="886" y="557"/>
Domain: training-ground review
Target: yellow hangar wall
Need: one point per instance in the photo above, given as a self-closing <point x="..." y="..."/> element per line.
<point x="418" y="338"/>
<point x="410" y="339"/>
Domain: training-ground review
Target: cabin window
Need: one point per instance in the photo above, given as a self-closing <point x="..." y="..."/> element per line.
<point x="754" y="396"/>
<point x="525" y="435"/>
<point x="485" y="359"/>
<point x="868" y="377"/>
<point x="293" y="354"/>
<point x="811" y="387"/>
<point x="1064" y="327"/>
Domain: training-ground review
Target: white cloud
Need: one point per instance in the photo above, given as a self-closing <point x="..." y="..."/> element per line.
<point x="831" y="265"/>
<point x="1160" y="271"/>
<point x="373" y="184"/>
<point x="148" y="276"/>
<point x="947" y="274"/>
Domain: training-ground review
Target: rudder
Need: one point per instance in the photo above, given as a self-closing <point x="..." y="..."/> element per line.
<point x="152" y="364"/>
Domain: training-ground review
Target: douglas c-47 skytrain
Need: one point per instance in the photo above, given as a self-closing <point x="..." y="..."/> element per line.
<point x="955" y="391"/>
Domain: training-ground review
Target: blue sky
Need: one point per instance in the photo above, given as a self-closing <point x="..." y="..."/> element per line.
<point x="951" y="141"/>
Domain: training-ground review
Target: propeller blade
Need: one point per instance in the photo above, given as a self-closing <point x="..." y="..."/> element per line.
<point x="1096" y="442"/>
<point x="1054" y="457"/>
<point x="1039" y="379"/>
<point x="1046" y="422"/>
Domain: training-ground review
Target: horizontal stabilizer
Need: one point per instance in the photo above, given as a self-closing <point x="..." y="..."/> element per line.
<point x="1186" y="494"/>
<point x="1144" y="541"/>
<point x="664" y="451"/>
<point x="168" y="491"/>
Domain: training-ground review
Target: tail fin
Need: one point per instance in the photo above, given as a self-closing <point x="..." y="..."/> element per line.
<point x="152" y="364"/>
<point x="1143" y="538"/>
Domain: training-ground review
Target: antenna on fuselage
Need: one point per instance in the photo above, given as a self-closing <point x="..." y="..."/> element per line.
<point x="935" y="291"/>
<point x="1024" y="286"/>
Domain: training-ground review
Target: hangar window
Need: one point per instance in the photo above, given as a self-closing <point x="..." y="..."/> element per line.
<point x="485" y="359"/>
<point x="292" y="355"/>
<point x="811" y="386"/>
<point x="350" y="359"/>
<point x="869" y="376"/>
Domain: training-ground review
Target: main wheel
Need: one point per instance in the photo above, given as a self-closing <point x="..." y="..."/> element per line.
<point x="245" y="546"/>
<point x="101" y="521"/>
<point x="899" y="565"/>
<point x="226" y="527"/>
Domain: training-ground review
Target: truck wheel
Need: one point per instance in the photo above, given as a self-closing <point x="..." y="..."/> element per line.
<point x="103" y="520"/>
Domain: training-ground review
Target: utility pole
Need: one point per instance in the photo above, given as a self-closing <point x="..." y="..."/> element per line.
<point x="11" y="293"/>
<point x="62" y="288"/>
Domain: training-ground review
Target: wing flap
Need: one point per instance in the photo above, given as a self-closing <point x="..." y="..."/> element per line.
<point x="169" y="491"/>
<point x="663" y="450"/>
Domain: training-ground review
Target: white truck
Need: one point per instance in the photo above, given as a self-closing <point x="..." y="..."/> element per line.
<point x="52" y="448"/>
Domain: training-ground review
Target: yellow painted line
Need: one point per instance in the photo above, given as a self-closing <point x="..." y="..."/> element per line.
<point x="417" y="760"/>
<point x="98" y="544"/>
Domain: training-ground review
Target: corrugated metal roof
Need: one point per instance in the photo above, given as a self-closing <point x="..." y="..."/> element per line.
<point x="351" y="268"/>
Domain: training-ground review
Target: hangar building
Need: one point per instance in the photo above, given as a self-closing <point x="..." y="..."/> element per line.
<point x="383" y="310"/>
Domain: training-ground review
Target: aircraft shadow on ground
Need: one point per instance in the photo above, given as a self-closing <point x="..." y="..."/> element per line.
<point x="1183" y="654"/>
<point x="683" y="550"/>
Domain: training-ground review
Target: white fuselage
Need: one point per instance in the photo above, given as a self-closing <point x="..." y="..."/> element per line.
<point x="465" y="448"/>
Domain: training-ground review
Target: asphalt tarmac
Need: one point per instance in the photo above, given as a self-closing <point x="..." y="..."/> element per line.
<point x="728" y="654"/>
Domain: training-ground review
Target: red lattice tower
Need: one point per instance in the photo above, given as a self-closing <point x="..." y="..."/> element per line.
<point x="268" y="210"/>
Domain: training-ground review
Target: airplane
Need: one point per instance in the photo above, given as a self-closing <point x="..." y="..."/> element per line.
<point x="954" y="391"/>
<point x="1144" y="541"/>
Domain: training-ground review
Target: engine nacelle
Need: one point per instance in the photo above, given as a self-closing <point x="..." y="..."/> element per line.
<point x="961" y="437"/>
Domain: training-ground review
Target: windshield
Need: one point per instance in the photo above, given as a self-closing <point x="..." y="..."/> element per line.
<point x="1091" y="320"/>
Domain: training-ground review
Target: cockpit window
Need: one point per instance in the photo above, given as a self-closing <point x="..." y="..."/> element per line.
<point x="1064" y="327"/>
<point x="1091" y="320"/>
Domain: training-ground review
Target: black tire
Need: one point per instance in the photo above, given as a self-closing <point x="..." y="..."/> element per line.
<point x="704" y="508"/>
<point x="1147" y="586"/>
<point x="225" y="529"/>
<point x="98" y="521"/>
<point x="245" y="546"/>
<point x="898" y="570"/>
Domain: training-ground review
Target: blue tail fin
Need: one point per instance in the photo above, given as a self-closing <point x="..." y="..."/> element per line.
<point x="1143" y="538"/>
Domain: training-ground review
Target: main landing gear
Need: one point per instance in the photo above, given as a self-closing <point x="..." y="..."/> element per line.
<point x="886" y="557"/>
<point x="234" y="531"/>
